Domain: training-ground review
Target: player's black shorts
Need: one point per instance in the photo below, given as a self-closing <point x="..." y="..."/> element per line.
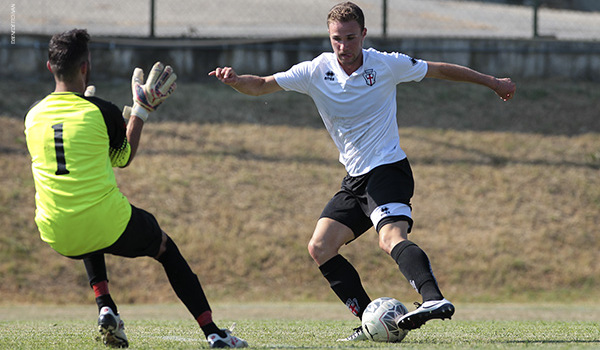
<point x="381" y="196"/>
<point x="142" y="237"/>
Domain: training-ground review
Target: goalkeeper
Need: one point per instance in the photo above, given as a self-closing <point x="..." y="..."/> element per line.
<point x="74" y="140"/>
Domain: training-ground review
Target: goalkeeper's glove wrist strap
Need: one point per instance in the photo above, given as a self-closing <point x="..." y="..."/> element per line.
<point x="139" y="112"/>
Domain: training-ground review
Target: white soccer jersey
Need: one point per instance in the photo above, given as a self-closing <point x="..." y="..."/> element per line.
<point x="359" y="110"/>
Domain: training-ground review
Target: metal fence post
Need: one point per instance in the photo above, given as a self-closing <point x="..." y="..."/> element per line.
<point x="384" y="29"/>
<point x="152" y="14"/>
<point x="536" y="6"/>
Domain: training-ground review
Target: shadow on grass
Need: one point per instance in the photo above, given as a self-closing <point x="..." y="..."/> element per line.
<point x="483" y="157"/>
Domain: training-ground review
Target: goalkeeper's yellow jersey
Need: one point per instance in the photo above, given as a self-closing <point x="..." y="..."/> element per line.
<point x="74" y="141"/>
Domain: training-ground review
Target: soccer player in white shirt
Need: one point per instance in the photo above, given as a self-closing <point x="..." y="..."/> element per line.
<point x="354" y="90"/>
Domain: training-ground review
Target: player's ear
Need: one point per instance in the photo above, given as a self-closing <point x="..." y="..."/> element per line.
<point x="49" y="66"/>
<point x="84" y="67"/>
<point x="364" y="33"/>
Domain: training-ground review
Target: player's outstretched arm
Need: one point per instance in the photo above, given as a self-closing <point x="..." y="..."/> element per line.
<point x="246" y="84"/>
<point x="504" y="87"/>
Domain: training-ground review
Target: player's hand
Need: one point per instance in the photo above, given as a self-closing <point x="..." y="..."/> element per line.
<point x="226" y="75"/>
<point x="505" y="88"/>
<point x="90" y="91"/>
<point x="158" y="87"/>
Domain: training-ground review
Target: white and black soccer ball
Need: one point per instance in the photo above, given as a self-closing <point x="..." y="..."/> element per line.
<point x="379" y="320"/>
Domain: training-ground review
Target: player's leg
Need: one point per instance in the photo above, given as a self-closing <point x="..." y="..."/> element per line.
<point x="389" y="191"/>
<point x="95" y="266"/>
<point x="342" y="221"/>
<point x="186" y="285"/>
<point x="411" y="259"/>
<point x="329" y="236"/>
<point x="110" y="324"/>
<point x="144" y="237"/>
<point x="327" y="239"/>
<point x="416" y="267"/>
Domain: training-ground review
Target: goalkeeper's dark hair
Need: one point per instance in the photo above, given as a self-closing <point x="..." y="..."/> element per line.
<point x="67" y="51"/>
<point x="346" y="12"/>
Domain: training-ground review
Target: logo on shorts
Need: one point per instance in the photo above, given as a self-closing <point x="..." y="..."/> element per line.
<point x="385" y="211"/>
<point x="370" y="76"/>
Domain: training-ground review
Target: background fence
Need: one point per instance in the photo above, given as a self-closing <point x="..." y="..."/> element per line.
<point x="259" y="19"/>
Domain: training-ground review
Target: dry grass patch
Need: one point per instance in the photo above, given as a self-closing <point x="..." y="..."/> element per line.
<point x="506" y="211"/>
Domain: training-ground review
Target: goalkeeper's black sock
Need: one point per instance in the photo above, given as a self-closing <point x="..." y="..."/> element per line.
<point x="103" y="297"/>
<point x="187" y="286"/>
<point x="208" y="326"/>
<point x="345" y="282"/>
<point x="415" y="266"/>
<point x="95" y="267"/>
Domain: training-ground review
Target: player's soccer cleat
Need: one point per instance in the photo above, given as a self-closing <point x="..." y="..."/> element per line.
<point x="440" y="309"/>
<point x="357" y="335"/>
<point x="230" y="341"/>
<point x="112" y="329"/>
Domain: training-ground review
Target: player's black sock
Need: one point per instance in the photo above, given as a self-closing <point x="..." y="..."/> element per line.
<point x="106" y="300"/>
<point x="183" y="280"/>
<point x="95" y="266"/>
<point x="212" y="328"/>
<point x="415" y="266"/>
<point x="345" y="282"/>
<point x="208" y="326"/>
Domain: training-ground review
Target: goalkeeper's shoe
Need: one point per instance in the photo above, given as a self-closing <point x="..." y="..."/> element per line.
<point x="112" y="329"/>
<point x="440" y="309"/>
<point x="357" y="335"/>
<point x="230" y="341"/>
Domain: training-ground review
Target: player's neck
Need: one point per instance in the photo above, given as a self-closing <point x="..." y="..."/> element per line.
<point x="350" y="68"/>
<point x="69" y="86"/>
<point x="66" y="88"/>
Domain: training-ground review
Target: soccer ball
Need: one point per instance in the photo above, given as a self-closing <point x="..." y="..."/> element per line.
<point x="379" y="320"/>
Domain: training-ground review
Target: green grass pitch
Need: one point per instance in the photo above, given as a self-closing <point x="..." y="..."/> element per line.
<point x="79" y="332"/>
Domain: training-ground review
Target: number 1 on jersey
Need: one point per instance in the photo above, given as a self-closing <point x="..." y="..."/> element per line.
<point x="61" y="163"/>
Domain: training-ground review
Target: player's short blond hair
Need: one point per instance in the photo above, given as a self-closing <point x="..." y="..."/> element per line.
<point x="346" y="12"/>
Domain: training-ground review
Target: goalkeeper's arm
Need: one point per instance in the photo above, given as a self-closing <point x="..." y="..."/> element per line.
<point x="123" y="155"/>
<point x="134" y="133"/>
<point x="146" y="98"/>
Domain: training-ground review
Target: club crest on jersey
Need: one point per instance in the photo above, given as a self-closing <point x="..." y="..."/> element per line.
<point x="370" y="76"/>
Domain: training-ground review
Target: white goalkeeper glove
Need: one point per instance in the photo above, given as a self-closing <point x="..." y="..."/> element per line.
<point x="158" y="87"/>
<point x="126" y="112"/>
<point x="90" y="91"/>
